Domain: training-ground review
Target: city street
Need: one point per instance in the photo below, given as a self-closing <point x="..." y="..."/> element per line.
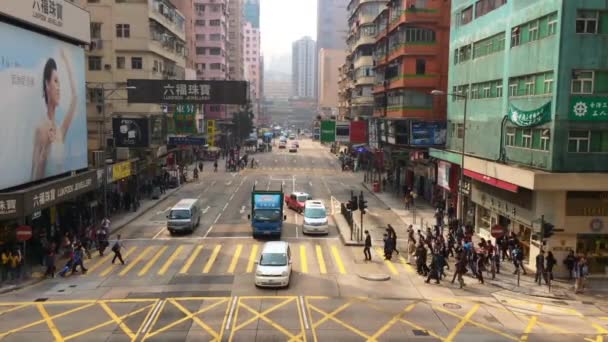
<point x="200" y="286"/>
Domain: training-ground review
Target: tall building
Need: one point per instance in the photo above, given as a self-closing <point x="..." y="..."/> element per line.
<point x="211" y="46"/>
<point x="332" y="29"/>
<point x="329" y="64"/>
<point x="130" y="41"/>
<point x="534" y="131"/>
<point x="236" y="66"/>
<point x="303" y="56"/>
<point x="253" y="54"/>
<point x="360" y="64"/>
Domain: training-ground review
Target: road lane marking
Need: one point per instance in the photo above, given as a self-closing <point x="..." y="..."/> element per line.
<point x="407" y="266"/>
<point x="132" y="264"/>
<point x="152" y="261"/>
<point x="231" y="312"/>
<point x="118" y="320"/>
<point x="462" y="323"/>
<point x="235" y="258"/>
<point x="303" y="261"/>
<point x="252" y="258"/>
<point x="212" y="258"/>
<point x="228" y="183"/>
<point x="326" y="186"/>
<point x="159" y="232"/>
<point x="336" y="254"/>
<point x="217" y="218"/>
<point x="163" y="211"/>
<point x="191" y="259"/>
<point x="170" y="261"/>
<point x="225" y="206"/>
<point x="293" y="181"/>
<point x="303" y="308"/>
<point x="49" y="323"/>
<point x="531" y="323"/>
<point x="310" y="184"/>
<point x="99" y="263"/>
<point x="151" y="321"/>
<point x="388" y="263"/>
<point x="320" y="260"/>
<point x="111" y="267"/>
<point x="242" y="210"/>
<point x="205" y="210"/>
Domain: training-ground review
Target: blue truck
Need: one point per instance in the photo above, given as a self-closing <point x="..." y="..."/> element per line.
<point x="266" y="212"/>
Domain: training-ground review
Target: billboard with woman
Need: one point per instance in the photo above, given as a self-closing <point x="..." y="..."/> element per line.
<point x="43" y="107"/>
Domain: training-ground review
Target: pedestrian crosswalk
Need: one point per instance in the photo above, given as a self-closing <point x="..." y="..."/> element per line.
<point x="310" y="170"/>
<point x="208" y="258"/>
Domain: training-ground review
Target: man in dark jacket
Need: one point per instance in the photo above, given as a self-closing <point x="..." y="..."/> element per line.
<point x="540" y="268"/>
<point x="368" y="245"/>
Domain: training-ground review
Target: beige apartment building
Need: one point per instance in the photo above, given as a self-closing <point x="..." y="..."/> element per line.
<point x="236" y="66"/>
<point x="136" y="39"/>
<point x="329" y="62"/>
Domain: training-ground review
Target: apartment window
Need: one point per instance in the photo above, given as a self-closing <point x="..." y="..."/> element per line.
<point x="137" y="63"/>
<point x="94" y="63"/>
<point x="248" y="59"/>
<point x="545" y="138"/>
<point x="215" y="22"/>
<point x="95" y="30"/>
<point x="215" y="37"/>
<point x="201" y="50"/>
<point x="499" y="90"/>
<point x="455" y="56"/>
<point x="460" y="131"/>
<point x="474" y="91"/>
<point x="123" y="30"/>
<point x="513" y="88"/>
<point x="548" y="84"/>
<point x="120" y="62"/>
<point x="199" y="22"/>
<point x="599" y="141"/>
<point x="552" y="24"/>
<point x="199" y="7"/>
<point x="466" y="15"/>
<point x="529" y="85"/>
<point x="420" y="67"/>
<point x="582" y="82"/>
<point x="526" y="137"/>
<point x="215" y="8"/>
<point x="215" y="66"/>
<point x="215" y="51"/>
<point x="510" y="137"/>
<point x="533" y="30"/>
<point x="586" y="22"/>
<point x="487" y="93"/>
<point x="200" y="37"/>
<point x="515" y="37"/>
<point x="578" y="141"/>
<point x="156" y="66"/>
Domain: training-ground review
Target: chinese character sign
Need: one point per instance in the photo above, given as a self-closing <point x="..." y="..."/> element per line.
<point x="183" y="92"/>
<point x="184" y="119"/>
<point x="530" y="118"/>
<point x="588" y="108"/>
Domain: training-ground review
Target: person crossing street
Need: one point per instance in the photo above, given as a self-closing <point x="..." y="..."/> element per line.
<point x="116" y="248"/>
<point x="368" y="246"/>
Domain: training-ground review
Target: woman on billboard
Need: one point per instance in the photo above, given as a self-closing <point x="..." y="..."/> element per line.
<point x="49" y="138"/>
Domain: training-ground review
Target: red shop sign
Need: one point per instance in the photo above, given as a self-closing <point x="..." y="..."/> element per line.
<point x="492" y="181"/>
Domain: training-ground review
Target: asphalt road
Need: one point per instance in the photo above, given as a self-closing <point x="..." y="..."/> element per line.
<point x="200" y="286"/>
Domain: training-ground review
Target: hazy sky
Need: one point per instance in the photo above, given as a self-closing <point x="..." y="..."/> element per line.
<point x="283" y="21"/>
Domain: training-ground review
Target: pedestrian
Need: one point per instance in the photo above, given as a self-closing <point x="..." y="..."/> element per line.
<point x="393" y="235"/>
<point x="408" y="202"/>
<point x="518" y="259"/>
<point x="570" y="261"/>
<point x="215" y="166"/>
<point x="102" y="240"/>
<point x="421" y="266"/>
<point x="116" y="248"/>
<point x="388" y="247"/>
<point x="460" y="269"/>
<point x="580" y="272"/>
<point x="550" y="259"/>
<point x="367" y="247"/>
<point x="436" y="268"/>
<point x="411" y="250"/>
<point x="481" y="267"/>
<point x="50" y="261"/>
<point x="78" y="259"/>
<point x="5" y="264"/>
<point x="19" y="256"/>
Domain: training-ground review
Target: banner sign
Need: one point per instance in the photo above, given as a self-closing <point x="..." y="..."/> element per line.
<point x="180" y="141"/>
<point x="120" y="170"/>
<point x="343" y="131"/>
<point x="59" y="191"/>
<point x="530" y="118"/>
<point x="211" y="132"/>
<point x="443" y="175"/>
<point x="358" y="132"/>
<point x="267" y="201"/>
<point x="131" y="132"/>
<point x="588" y="108"/>
<point x="428" y="133"/>
<point x="184" y="119"/>
<point x="328" y="131"/>
<point x="182" y="91"/>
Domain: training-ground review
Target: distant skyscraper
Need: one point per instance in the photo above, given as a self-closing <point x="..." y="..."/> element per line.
<point x="251" y="10"/>
<point x="303" y="59"/>
<point x="332" y="24"/>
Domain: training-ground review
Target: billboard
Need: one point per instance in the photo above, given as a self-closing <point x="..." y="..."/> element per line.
<point x="428" y="133"/>
<point x="358" y="132"/>
<point x="328" y="131"/>
<point x="267" y="201"/>
<point x="131" y="132"/>
<point x="181" y="92"/>
<point x="184" y="119"/>
<point x="343" y="131"/>
<point x="42" y="91"/>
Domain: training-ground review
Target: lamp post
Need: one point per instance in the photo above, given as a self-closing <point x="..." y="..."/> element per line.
<point x="102" y="135"/>
<point x="462" y="153"/>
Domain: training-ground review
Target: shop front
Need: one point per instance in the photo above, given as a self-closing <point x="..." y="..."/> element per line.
<point x="421" y="176"/>
<point x="122" y="186"/>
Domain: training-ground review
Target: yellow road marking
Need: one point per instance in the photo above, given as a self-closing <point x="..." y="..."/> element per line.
<point x="170" y="261"/>
<point x="252" y="257"/>
<point x="15" y="308"/>
<point x="212" y="258"/>
<point x="320" y="259"/>
<point x="408" y="267"/>
<point x="193" y="316"/>
<point x="99" y="263"/>
<point x="152" y="261"/>
<point x="394" y="320"/>
<point x="132" y="264"/>
<point x="154" y="320"/>
<point x="191" y="259"/>
<point x="262" y="316"/>
<point x="235" y="258"/>
<point x="331" y="316"/>
<point x="303" y="261"/>
<point x="388" y="263"/>
<point x="49" y="323"/>
<point x="334" y="251"/>
<point x="111" y="267"/>
<point x="531" y="323"/>
<point x="117" y="320"/>
<point x="462" y="323"/>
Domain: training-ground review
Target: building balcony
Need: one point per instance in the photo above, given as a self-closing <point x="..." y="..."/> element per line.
<point x="424" y="114"/>
<point x="412" y="14"/>
<point x="171" y="19"/>
<point x="363" y="40"/>
<point x="363" y="61"/>
<point x="430" y="81"/>
<point x="410" y="49"/>
<point x="162" y="49"/>
<point x="362" y="100"/>
<point x="365" y="80"/>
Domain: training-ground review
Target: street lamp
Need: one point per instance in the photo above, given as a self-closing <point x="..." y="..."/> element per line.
<point x="436" y="92"/>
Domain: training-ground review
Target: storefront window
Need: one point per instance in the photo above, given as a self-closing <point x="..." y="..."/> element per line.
<point x="595" y="246"/>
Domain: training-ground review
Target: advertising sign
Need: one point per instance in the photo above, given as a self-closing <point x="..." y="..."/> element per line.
<point x="211" y="132"/>
<point x="588" y="108"/>
<point x="48" y="195"/>
<point x="184" y="119"/>
<point x="121" y="170"/>
<point x="131" y="132"/>
<point x="358" y="132"/>
<point x="530" y="118"/>
<point x="266" y="201"/>
<point x="11" y="205"/>
<point x="180" y="92"/>
<point x="428" y="133"/>
<point x="343" y="131"/>
<point x="42" y="92"/>
<point x="180" y="141"/>
<point x="59" y="16"/>
<point x="443" y="175"/>
<point x="328" y="131"/>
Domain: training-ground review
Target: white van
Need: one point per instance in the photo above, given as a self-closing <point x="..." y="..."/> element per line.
<point x="315" y="218"/>
<point x="185" y="216"/>
<point x="274" y="265"/>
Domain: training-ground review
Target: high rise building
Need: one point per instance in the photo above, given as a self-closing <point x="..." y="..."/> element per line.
<point x="253" y="54"/>
<point x="329" y="64"/>
<point x="332" y="28"/>
<point x="529" y="111"/>
<point x="130" y="41"/>
<point x="303" y="57"/>
<point x="236" y="66"/>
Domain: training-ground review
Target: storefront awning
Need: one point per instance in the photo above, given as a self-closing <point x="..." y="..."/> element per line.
<point x="492" y="181"/>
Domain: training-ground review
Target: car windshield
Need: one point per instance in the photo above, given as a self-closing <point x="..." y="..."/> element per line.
<point x="267" y="215"/>
<point x="314" y="213"/>
<point x="179" y="214"/>
<point x="302" y="198"/>
<point x="273" y="259"/>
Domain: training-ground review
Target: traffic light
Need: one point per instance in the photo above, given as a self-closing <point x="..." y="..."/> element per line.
<point x="362" y="203"/>
<point x="548" y="230"/>
<point x="353" y="203"/>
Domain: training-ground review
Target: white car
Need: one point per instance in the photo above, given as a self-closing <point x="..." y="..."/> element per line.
<point x="315" y="218"/>
<point x="293" y="148"/>
<point x="274" y="265"/>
